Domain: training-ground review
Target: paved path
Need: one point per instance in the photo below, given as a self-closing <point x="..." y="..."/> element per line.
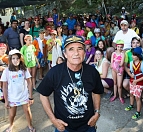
<point x="113" y="118"/>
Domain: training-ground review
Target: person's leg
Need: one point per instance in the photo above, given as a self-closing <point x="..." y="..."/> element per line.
<point x="27" y="111"/>
<point x="139" y="104"/>
<point x="119" y="84"/>
<point x="40" y="73"/>
<point x="105" y="85"/>
<point x="126" y="84"/>
<point x="12" y="114"/>
<point x="33" y="74"/>
<point x="114" y="75"/>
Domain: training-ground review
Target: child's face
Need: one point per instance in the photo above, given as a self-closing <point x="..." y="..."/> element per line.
<point x="28" y="41"/>
<point x="134" y="57"/>
<point x="135" y="43"/>
<point x="120" y="47"/>
<point x="100" y="45"/>
<point x="15" y="60"/>
<point x="2" y="51"/>
<point x="60" y="61"/>
<point x="97" y="34"/>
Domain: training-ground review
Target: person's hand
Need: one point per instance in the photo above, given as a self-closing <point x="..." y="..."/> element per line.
<point x="132" y="75"/>
<point x="7" y="105"/>
<point x="134" y="82"/>
<point x="30" y="102"/>
<point x="92" y="121"/>
<point x="38" y="65"/>
<point x="59" y="124"/>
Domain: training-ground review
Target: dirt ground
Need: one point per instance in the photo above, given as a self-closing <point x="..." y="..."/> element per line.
<point x="113" y="118"/>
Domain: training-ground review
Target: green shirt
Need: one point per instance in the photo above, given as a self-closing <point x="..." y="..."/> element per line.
<point x="128" y="56"/>
<point x="89" y="35"/>
<point x="34" y="31"/>
<point x="29" y="55"/>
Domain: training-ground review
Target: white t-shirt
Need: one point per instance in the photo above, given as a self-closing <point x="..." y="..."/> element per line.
<point x="47" y="37"/>
<point x="17" y="84"/>
<point x="125" y="37"/>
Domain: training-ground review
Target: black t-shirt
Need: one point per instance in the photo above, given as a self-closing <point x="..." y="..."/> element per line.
<point x="73" y="105"/>
<point x="24" y="32"/>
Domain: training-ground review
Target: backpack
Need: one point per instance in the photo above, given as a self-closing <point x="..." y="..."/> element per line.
<point x="93" y="40"/>
<point x="141" y="69"/>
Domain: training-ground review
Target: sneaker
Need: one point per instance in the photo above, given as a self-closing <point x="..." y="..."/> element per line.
<point x="136" y="116"/>
<point x="112" y="99"/>
<point x="122" y="100"/>
<point x="108" y="95"/>
<point x="128" y="108"/>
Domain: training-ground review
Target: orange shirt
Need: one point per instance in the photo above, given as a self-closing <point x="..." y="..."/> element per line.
<point x="35" y="43"/>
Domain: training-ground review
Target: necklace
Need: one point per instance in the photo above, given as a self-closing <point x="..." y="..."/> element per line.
<point x="77" y="75"/>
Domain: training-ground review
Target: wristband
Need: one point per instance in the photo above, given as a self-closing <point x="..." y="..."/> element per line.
<point x="31" y="99"/>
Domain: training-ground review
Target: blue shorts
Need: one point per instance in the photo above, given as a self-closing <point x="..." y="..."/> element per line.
<point x="90" y="129"/>
<point x="41" y="62"/>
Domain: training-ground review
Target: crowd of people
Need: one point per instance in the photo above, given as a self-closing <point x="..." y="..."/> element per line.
<point x="112" y="46"/>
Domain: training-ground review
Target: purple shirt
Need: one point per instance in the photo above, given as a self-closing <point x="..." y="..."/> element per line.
<point x="88" y="53"/>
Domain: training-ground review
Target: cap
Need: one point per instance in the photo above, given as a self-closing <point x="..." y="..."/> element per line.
<point x="14" y="51"/>
<point x="87" y="42"/>
<point x="59" y="24"/>
<point x="124" y="22"/>
<point x="50" y="19"/>
<point x="3" y="45"/>
<point x="88" y="24"/>
<point x="97" y="30"/>
<point x="53" y="32"/>
<point x="73" y="39"/>
<point x="41" y="31"/>
<point x="65" y="24"/>
<point x="119" y="42"/>
<point x="138" y="50"/>
<point x="123" y="8"/>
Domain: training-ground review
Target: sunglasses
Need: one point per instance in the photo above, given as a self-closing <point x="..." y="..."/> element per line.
<point x="36" y="20"/>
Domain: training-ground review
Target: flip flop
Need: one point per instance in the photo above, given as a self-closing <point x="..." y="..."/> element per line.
<point x="8" y="130"/>
<point x="32" y="129"/>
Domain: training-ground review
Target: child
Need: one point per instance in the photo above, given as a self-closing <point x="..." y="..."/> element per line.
<point x="17" y="88"/>
<point x="29" y="58"/>
<point x="3" y="63"/>
<point x="41" y="52"/>
<point x="136" y="81"/>
<point x="101" y="45"/>
<point x="60" y="60"/>
<point x="117" y="65"/>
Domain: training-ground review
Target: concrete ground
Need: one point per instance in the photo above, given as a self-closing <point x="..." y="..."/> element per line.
<point x="113" y="118"/>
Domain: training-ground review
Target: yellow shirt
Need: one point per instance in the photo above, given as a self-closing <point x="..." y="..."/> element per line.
<point x="49" y="43"/>
<point x="137" y="30"/>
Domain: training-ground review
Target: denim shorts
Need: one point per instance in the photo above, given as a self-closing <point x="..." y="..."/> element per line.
<point x="90" y="129"/>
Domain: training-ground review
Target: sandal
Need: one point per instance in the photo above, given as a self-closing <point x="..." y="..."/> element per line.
<point x="122" y="100"/>
<point x="32" y="129"/>
<point x="136" y="116"/>
<point x="112" y="99"/>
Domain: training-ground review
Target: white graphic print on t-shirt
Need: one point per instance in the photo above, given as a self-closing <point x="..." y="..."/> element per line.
<point x="75" y="100"/>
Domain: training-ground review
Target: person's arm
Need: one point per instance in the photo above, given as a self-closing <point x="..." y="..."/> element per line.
<point x="112" y="60"/>
<point x="105" y="67"/>
<point x="96" y="103"/>
<point x="59" y="124"/>
<point x="122" y="60"/>
<point x="21" y="39"/>
<point x="89" y="58"/>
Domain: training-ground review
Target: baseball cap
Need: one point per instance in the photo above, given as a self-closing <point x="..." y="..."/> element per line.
<point x="123" y="8"/>
<point x="88" y="24"/>
<point x="14" y="51"/>
<point x="50" y="19"/>
<point x="87" y="42"/>
<point x="41" y="31"/>
<point x="124" y="22"/>
<point x="97" y="30"/>
<point x="138" y="50"/>
<point x="73" y="39"/>
<point x="53" y="32"/>
<point x="65" y="24"/>
<point x="3" y="45"/>
<point x="119" y="42"/>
